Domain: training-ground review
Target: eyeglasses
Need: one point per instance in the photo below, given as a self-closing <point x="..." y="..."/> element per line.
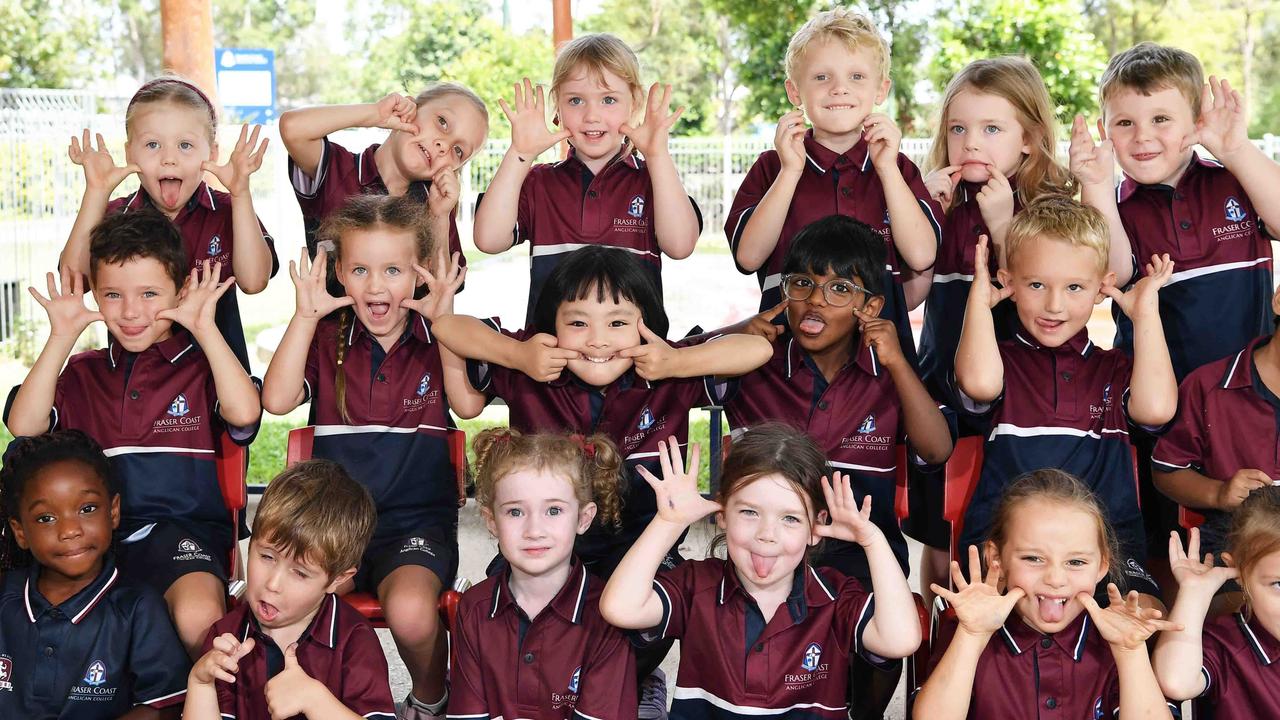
<point x="837" y="292"/>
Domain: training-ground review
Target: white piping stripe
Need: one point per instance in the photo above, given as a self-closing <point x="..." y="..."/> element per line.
<point x="140" y="450"/>
<point x="952" y="277"/>
<point x="570" y="247"/>
<point x="184" y="352"/>
<point x="1254" y="640"/>
<point x="636" y="456"/>
<point x="737" y="228"/>
<point x="325" y="430"/>
<point x="115" y="572"/>
<point x="666" y="621"/>
<point x="1232" y="372"/>
<point x="1044" y="431"/>
<point x="581" y="714"/>
<point x="685" y="693"/>
<point x="1211" y="269"/>
<point x="183" y="691"/>
<point x="26" y="599"/>
<point x="821" y="584"/>
<point x="465" y="717"/>
<point x="582" y="595"/>
<point x="868" y="468"/>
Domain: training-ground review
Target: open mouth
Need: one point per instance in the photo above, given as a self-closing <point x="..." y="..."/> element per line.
<point x="812" y="324"/>
<point x="267" y="611"/>
<point x="1052" y="609"/>
<point x="1049" y="325"/>
<point x="593" y="135"/>
<point x="378" y="310"/>
<point x="132" y="330"/>
<point x="598" y="359"/>
<point x="762" y="565"/>
<point x="170" y="191"/>
<point x="838" y="106"/>
<point x="426" y="156"/>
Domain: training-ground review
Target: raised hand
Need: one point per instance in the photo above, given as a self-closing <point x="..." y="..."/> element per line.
<point x="289" y="692"/>
<point x="883" y="140"/>
<point x="788" y="140"/>
<point x="1143" y="299"/>
<point x="245" y="160"/>
<point x="763" y="325"/>
<point x="529" y="134"/>
<point x="1123" y="623"/>
<point x="442" y="280"/>
<point x="1223" y="127"/>
<point x="543" y="359"/>
<point x="995" y="199"/>
<point x="222" y="662"/>
<point x="1235" y="490"/>
<point x="68" y="315"/>
<point x="848" y="521"/>
<point x="100" y="169"/>
<point x="442" y="196"/>
<point x="979" y="606"/>
<point x="199" y="299"/>
<point x="1192" y="574"/>
<point x="880" y="335"/>
<point x="941" y="184"/>
<point x="655" y="359"/>
<point x="397" y="112"/>
<point x="312" y="297"/>
<point x="982" y="289"/>
<point x="679" y="501"/>
<point x="1092" y="163"/>
<point x="654" y="132"/>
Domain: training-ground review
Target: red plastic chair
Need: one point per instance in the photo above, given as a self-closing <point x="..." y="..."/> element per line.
<point x="964" y="468"/>
<point x="919" y="661"/>
<point x="230" y="461"/>
<point x="1189" y="518"/>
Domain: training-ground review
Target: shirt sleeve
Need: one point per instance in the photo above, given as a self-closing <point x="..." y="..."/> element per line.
<point x="158" y="663"/>
<point x="271" y="248"/>
<point x="241" y="434"/>
<point x="525" y="216"/>
<point x="607" y="685"/>
<point x="1214" y="656"/>
<point x="466" y="682"/>
<point x="1184" y="445"/>
<point x="367" y="691"/>
<point x="932" y="210"/>
<point x="675" y="590"/>
<point x="492" y="378"/>
<point x="311" y="373"/>
<point x="756" y="183"/>
<point x="855" y="607"/>
<point x="307" y="189"/>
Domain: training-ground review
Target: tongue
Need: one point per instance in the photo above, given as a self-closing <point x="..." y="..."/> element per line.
<point x="378" y="309"/>
<point x="762" y="565"/>
<point x="812" y="326"/>
<point x="267" y="611"/>
<point x="1051" y="611"/>
<point x="169" y="192"/>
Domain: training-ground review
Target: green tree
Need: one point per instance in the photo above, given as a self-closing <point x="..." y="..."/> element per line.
<point x="1051" y="34"/>
<point x="49" y="44"/>
<point x="493" y="66"/>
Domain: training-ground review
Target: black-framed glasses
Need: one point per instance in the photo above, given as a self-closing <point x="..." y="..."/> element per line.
<point x="837" y="292"/>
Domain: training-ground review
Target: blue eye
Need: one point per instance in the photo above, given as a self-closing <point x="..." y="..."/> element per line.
<point x="857" y="76"/>
<point x="575" y="101"/>
<point x="1036" y="285"/>
<point x="393" y="271"/>
<point x="992" y="129"/>
<point x="957" y="129"/>
<point x="610" y="100"/>
<point x="1075" y="287"/>
<point x="358" y="271"/>
<point x="186" y="145"/>
<point x="553" y="511"/>
<point x="820" y="77"/>
<point x="515" y="512"/>
<point x="152" y="145"/>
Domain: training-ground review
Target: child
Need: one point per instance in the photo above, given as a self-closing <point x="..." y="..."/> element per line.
<point x="603" y="193"/>
<point x="76" y="639"/>
<point x="430" y="137"/>
<point x="848" y="164"/>
<point x="537" y="493"/>
<point x="1230" y="660"/>
<point x="798" y="624"/>
<point x="1050" y="546"/>
<point x="157" y="398"/>
<point x="380" y="389"/>
<point x="291" y="647"/>
<point x="1052" y="398"/>
<point x="172" y="141"/>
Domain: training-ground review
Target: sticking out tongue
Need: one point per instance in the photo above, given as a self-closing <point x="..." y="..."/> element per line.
<point x="170" y="190"/>
<point x="1051" y="611"/>
<point x="811" y="325"/>
<point x="267" y="611"/>
<point x="762" y="565"/>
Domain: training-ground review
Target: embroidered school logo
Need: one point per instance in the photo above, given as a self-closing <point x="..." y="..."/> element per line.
<point x="187" y="545"/>
<point x="812" y="657"/>
<point x="1106" y="395"/>
<point x="1133" y="569"/>
<point x="416" y="544"/>
<point x="215" y="246"/>
<point x="6" y="673"/>
<point x="646" y="420"/>
<point x="636" y="208"/>
<point x="179" y="407"/>
<point x="424" y="384"/>
<point x="96" y="674"/>
<point x="573" y="681"/>
<point x="868" y="425"/>
<point x="1234" y="212"/>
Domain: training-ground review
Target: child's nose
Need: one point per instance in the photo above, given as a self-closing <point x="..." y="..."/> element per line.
<point x="70" y="528"/>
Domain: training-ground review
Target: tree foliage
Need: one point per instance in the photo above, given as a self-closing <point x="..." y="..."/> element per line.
<point x="48" y="44"/>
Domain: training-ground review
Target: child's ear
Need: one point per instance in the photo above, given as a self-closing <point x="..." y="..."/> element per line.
<point x="990" y="556"/>
<point x="793" y="93"/>
<point x="1003" y="277"/>
<point x="720" y="520"/>
<point x="18" y="536"/>
<point x="487" y="514"/>
<point x="339" y="579"/>
<point x="814" y="537"/>
<point x="213" y="151"/>
<point x="586" y="514"/>
<point x="115" y="512"/>
<point x="1108" y="280"/>
<point x="1230" y="561"/>
<point x="883" y="94"/>
<point x="874" y="305"/>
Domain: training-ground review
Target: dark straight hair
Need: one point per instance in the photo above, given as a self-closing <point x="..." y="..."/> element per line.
<point x="608" y="272"/>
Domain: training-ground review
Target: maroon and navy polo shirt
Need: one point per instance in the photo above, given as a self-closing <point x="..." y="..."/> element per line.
<point x="1066" y="408"/>
<point x="102" y="652"/>
<point x="1214" y="403"/>
<point x="155" y="414"/>
<point x="563" y="207"/>
<point x="395" y="441"/>
<point x="856" y="420"/>
<point x="633" y="412"/>
<point x="339" y="648"/>
<point x="1241" y="676"/>
<point x="1220" y="295"/>
<point x="208" y="234"/>
<point x="342" y="175"/>
<point x="735" y="665"/>
<point x="565" y="663"/>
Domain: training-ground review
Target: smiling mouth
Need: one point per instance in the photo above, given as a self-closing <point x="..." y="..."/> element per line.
<point x="132" y="330"/>
<point x="76" y="552"/>
<point x="839" y="106"/>
<point x="598" y="360"/>
<point x="593" y="134"/>
<point x="426" y="156"/>
<point x="1142" y="157"/>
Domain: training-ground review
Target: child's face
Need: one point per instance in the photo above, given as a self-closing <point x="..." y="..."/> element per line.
<point x="984" y="130"/>
<point x="169" y="141"/>
<point x="536" y="516"/>
<point x="450" y="130"/>
<point x="1262" y="584"/>
<point x="376" y="267"/>
<point x="1055" y="286"/>
<point x="1052" y="553"/>
<point x="820" y="326"/>
<point x="767" y="526"/>
<point x="65" y="518"/>
<point x="1151" y="133"/>
<point x="594" y="108"/>
<point x="837" y="87"/>
<point x="283" y="590"/>
<point x="129" y="295"/>
<point x="598" y="331"/>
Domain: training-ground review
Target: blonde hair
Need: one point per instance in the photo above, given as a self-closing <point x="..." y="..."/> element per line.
<point x="591" y="464"/>
<point x="1058" y="217"/>
<point x="1255" y="530"/>
<point x="1016" y="80"/>
<point x="1148" y="67"/>
<point x="365" y="212"/>
<point x="854" y="30"/>
<point x="314" y="511"/>
<point x="597" y="53"/>
<point x="440" y="90"/>
<point x="178" y="91"/>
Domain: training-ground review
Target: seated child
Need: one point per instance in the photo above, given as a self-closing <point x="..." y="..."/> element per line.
<point x="1053" y="398"/>
<point x="157" y="398"/>
<point x="291" y="647"/>
<point x="77" y="640"/>
<point x="537" y="493"/>
<point x="1228" y="661"/>
<point x="798" y="624"/>
<point x="1050" y="545"/>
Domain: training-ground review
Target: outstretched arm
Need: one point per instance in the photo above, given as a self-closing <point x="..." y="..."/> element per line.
<point x="1153" y="390"/>
<point x="1179" y="653"/>
<point x="725" y="356"/>
<point x="101" y="177"/>
<point x="303" y="131"/>
<point x="1094" y="165"/>
<point x="674" y="222"/>
<point x="979" y="369"/>
<point x="1224" y="130"/>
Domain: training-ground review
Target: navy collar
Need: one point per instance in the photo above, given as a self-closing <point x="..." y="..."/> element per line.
<point x="1264" y="645"/>
<point x="808" y="589"/>
<point x="626" y="156"/>
<point x="1079" y="344"/>
<point x="417" y="327"/>
<point x="1018" y="636"/>
<point x="864" y="356"/>
<point x="77" y="606"/>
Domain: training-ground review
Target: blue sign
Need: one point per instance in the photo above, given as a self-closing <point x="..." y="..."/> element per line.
<point x="246" y="83"/>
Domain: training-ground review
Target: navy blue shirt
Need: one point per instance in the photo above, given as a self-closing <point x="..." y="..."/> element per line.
<point x="106" y="649"/>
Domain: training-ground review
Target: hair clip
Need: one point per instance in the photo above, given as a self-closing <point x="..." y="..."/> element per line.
<point x="588" y="448"/>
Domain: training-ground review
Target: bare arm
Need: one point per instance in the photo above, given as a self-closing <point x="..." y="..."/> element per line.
<point x="538" y="357"/>
<point x="675" y="223"/>
<point x="1179" y="654"/>
<point x="1126" y="626"/>
<point x="1094" y="165"/>
<point x="251" y="262"/>
<point x="979" y="369"/>
<point x="913" y="235"/>
<point x="102" y="176"/>
<point x="760" y="235"/>
<point x="1153" y="390"/>
<point x="303" y="131"/>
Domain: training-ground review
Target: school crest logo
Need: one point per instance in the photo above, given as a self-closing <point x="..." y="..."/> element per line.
<point x="424" y="384"/>
<point x="179" y="406"/>
<point x="96" y="675"/>
<point x="812" y="657"/>
<point x="416" y="542"/>
<point x="636" y="207"/>
<point x="187" y="545"/>
<point x="1233" y="210"/>
<point x="215" y="246"/>
<point x="646" y="420"/>
<point x="6" y="673"/>
<point x="573" y="681"/>
<point x="868" y="425"/>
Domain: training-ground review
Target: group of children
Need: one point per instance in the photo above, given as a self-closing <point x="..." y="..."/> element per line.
<point x="118" y="543"/>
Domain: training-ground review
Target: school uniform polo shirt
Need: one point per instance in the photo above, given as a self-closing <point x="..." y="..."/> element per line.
<point x="155" y="414"/>
<point x="208" y="234"/>
<point x="395" y="441"/>
<point x="1242" y="677"/>
<point x="734" y="665"/>
<point x="1220" y="295"/>
<point x="856" y="420"/>
<point x="339" y="648"/>
<point x="565" y="663"/>
<point x="1216" y="404"/>
<point x="103" y="651"/>
<point x="342" y="175"/>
